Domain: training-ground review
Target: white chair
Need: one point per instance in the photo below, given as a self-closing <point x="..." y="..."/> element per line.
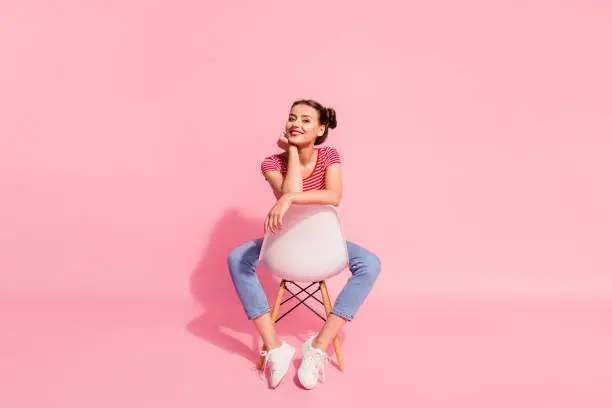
<point x="310" y="248"/>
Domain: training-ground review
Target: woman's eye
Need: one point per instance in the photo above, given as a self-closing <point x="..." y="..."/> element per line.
<point x="306" y="121"/>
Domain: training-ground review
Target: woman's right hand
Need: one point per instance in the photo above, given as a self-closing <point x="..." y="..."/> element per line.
<point x="283" y="141"/>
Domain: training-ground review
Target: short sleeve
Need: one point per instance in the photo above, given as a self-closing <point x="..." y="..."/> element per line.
<point x="271" y="163"/>
<point x="332" y="157"/>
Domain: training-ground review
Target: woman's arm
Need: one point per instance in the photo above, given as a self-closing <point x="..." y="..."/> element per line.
<point x="293" y="179"/>
<point x="332" y="194"/>
<point x="275" y="179"/>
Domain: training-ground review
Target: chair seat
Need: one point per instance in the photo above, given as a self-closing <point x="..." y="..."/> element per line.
<point x="309" y="248"/>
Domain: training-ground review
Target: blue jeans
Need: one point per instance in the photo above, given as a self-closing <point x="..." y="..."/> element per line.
<point x="243" y="262"/>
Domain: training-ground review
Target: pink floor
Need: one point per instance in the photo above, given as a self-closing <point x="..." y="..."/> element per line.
<point x="88" y="352"/>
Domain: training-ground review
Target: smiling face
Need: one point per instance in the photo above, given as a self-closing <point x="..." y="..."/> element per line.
<point x="303" y="125"/>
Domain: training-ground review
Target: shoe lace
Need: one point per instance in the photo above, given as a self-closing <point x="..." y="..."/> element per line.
<point x="266" y="354"/>
<point x="318" y="358"/>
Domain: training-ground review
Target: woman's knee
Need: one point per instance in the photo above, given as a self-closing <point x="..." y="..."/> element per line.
<point x="374" y="263"/>
<point x="365" y="261"/>
<point x="235" y="258"/>
<point x="245" y="254"/>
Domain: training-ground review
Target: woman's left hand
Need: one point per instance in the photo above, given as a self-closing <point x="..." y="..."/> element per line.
<point x="274" y="220"/>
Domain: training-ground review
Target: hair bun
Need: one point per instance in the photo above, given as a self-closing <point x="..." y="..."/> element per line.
<point x="331" y="113"/>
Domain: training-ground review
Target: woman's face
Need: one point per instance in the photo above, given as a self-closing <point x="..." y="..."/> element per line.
<point x="303" y="125"/>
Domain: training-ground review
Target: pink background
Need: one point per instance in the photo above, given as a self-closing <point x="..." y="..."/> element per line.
<point x="476" y="142"/>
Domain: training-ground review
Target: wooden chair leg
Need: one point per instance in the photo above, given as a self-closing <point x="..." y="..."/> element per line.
<point x="275" y="309"/>
<point x="328" y="309"/>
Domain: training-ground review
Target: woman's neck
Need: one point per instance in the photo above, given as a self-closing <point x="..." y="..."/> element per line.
<point x="306" y="154"/>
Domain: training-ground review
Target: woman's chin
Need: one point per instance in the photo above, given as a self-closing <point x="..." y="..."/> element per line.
<point x="299" y="142"/>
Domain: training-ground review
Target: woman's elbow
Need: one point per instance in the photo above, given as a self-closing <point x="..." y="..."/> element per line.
<point x="336" y="200"/>
<point x="289" y="189"/>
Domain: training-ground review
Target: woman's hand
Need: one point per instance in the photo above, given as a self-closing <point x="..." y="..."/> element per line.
<point x="274" y="220"/>
<point x="283" y="142"/>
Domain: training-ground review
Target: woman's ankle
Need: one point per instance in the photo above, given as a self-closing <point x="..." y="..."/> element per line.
<point x="319" y="344"/>
<point x="274" y="344"/>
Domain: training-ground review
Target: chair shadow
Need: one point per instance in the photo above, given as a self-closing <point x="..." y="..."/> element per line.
<point x="223" y="322"/>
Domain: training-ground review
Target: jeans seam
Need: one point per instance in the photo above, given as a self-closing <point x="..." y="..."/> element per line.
<point x="342" y="314"/>
<point x="257" y="314"/>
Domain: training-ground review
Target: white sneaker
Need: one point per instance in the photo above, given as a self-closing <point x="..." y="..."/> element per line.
<point x="313" y="364"/>
<point x="280" y="359"/>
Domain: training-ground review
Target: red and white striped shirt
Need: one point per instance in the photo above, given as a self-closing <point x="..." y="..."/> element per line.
<point x="326" y="156"/>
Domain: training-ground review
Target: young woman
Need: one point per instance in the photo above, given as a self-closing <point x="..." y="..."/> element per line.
<point x="302" y="174"/>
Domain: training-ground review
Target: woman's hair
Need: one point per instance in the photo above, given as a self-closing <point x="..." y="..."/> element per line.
<point x="327" y="116"/>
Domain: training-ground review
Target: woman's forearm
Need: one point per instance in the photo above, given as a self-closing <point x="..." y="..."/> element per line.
<point x="293" y="179"/>
<point x="324" y="197"/>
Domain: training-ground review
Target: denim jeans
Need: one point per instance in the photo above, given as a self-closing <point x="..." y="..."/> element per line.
<point x="243" y="262"/>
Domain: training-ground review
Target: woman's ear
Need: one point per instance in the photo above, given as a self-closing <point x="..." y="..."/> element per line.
<point x="321" y="130"/>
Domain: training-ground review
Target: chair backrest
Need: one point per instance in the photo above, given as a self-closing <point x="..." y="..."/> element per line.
<point x="310" y="247"/>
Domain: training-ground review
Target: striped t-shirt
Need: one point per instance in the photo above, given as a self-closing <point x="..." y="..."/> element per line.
<point x="326" y="156"/>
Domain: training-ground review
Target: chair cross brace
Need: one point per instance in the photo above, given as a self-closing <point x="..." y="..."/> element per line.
<point x="302" y="301"/>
